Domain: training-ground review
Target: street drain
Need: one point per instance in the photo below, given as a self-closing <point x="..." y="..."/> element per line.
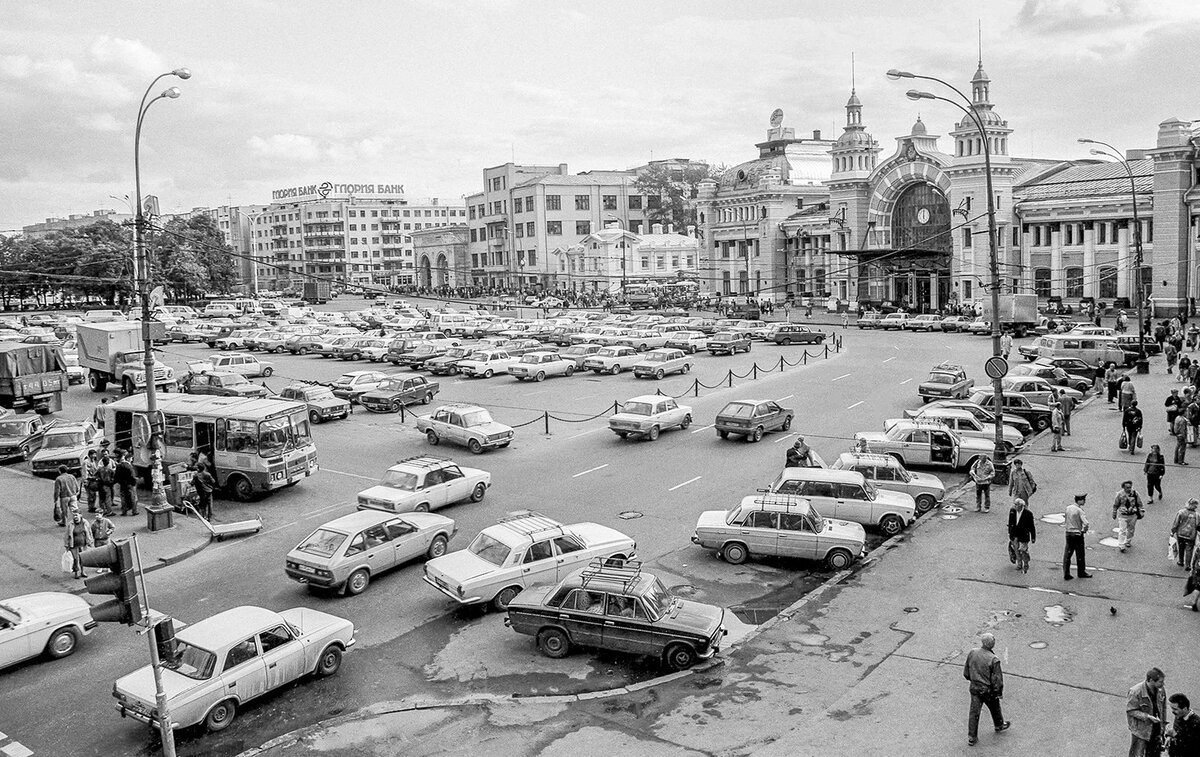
<point x="1109" y="541"/>
<point x="951" y="509"/>
<point x="949" y="517"/>
<point x="1056" y="615"/>
<point x="629" y="515"/>
<point x="912" y="609"/>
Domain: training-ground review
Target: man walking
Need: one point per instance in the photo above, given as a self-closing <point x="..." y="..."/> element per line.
<point x="1144" y="712"/>
<point x="982" y="669"/>
<point x="1021" y="484"/>
<point x="102" y="530"/>
<point x="1126" y="510"/>
<point x="90" y="481"/>
<point x="1184" y="528"/>
<point x="1056" y="426"/>
<point x="106" y="475"/>
<point x="1077" y="525"/>
<point x="1068" y="407"/>
<point x="1006" y="343"/>
<point x="127" y="484"/>
<point x="1113" y="380"/>
<point x="1131" y="424"/>
<point x="982" y="473"/>
<point x="77" y="539"/>
<point x="66" y="491"/>
<point x="1021" y="532"/>
<point x="1155" y="467"/>
<point x="204" y="483"/>
<point x="1184" y="729"/>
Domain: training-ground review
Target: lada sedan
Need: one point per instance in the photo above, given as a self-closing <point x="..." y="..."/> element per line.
<point x="661" y="362"/>
<point x="322" y="405"/>
<point x="523" y="550"/>
<point x="396" y="391"/>
<point x="643" y="339"/>
<point x="786" y="334"/>
<point x="487" y="363"/>
<point x="982" y="414"/>
<point x="537" y="366"/>
<point x="20" y="436"/>
<point x="447" y="365"/>
<point x="967" y="425"/>
<point x="750" y="419"/>
<point x="1037" y="389"/>
<point x="898" y="321"/>
<point x="64" y="444"/>
<point x="690" y="342"/>
<point x="847" y="495"/>
<point x="466" y="425"/>
<point x="888" y="473"/>
<point x="222" y="662"/>
<point x="946" y="381"/>
<point x="728" y="343"/>
<point x="222" y="384"/>
<point x="648" y="415"/>
<point x="620" y="609"/>
<point x="353" y="385"/>
<point x="611" y="359"/>
<point x="579" y="353"/>
<point x="930" y="443"/>
<point x="1015" y="405"/>
<point x="925" y="322"/>
<point x="345" y="554"/>
<point x="49" y="622"/>
<point x="424" y="483"/>
<point x="772" y="525"/>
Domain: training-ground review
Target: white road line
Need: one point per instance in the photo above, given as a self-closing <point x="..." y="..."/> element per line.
<point x="585" y="433"/>
<point x="844" y="375"/>
<point x="351" y="475"/>
<point x="589" y="470"/>
<point x="781" y="399"/>
<point x="905" y="381"/>
<point x="890" y="359"/>
<point x="685" y="483"/>
<point x="784" y="438"/>
<point x="856" y="404"/>
<point x="894" y="347"/>
<point x="704" y="428"/>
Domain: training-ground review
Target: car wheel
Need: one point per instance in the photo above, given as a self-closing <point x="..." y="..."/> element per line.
<point x="302" y="351"/>
<point x="330" y="661"/>
<point x="570" y="369"/>
<point x="838" y="559"/>
<point x="891" y="524"/>
<point x="358" y="581"/>
<point x="786" y="342"/>
<point x="541" y="376"/>
<point x="748" y="346"/>
<point x="422" y="508"/>
<point x="242" y="488"/>
<point x="820" y="339"/>
<point x="62" y="643"/>
<point x="478" y="492"/>
<point x="925" y="503"/>
<point x="267" y="372"/>
<point x="1041" y="424"/>
<point x="278" y="350"/>
<point x="692" y="350"/>
<point x="437" y="547"/>
<point x="722" y="434"/>
<point x="687" y="367"/>
<point x="787" y="423"/>
<point x="687" y="421"/>
<point x="220" y="717"/>
<point x="488" y="373"/>
<point x="652" y="435"/>
<point x="659" y="374"/>
<point x="314" y="416"/>
<point x="475" y="447"/>
<point x="502" y="600"/>
<point x="394" y="406"/>
<point x="756" y="435"/>
<point x="25" y="451"/>
<point x="614" y="370"/>
<point x="432" y="437"/>
<point x="680" y="657"/>
<point x="735" y="553"/>
<point x="127" y="386"/>
<point x="553" y="643"/>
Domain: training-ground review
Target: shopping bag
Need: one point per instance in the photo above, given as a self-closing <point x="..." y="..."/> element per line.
<point x="1191" y="434"/>
<point x="1124" y="440"/>
<point x="1012" y="552"/>
<point x="1172" y="548"/>
<point x="68" y="563"/>
<point x="1139" y="440"/>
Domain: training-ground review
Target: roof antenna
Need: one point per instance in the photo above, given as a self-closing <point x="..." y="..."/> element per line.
<point x="980" y="23"/>
<point x="852" y="73"/>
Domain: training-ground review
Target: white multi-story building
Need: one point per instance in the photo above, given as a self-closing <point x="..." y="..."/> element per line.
<point x="607" y="259"/>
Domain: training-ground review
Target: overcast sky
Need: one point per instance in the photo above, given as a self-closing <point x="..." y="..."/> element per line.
<point x="426" y="93"/>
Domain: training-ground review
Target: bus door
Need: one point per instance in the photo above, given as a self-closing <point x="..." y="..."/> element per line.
<point x="205" y="438"/>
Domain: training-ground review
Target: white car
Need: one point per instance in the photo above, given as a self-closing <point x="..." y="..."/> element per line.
<point x="353" y="385"/>
<point x="424" y="483"/>
<point x="612" y="359"/>
<point x="643" y="340"/>
<point x="898" y="321"/>
<point x="690" y="342"/>
<point x="222" y="662"/>
<point x="925" y="322"/>
<point x="648" y="415"/>
<point x="538" y="365"/>
<point x="487" y="363"/>
<point x="659" y="363"/>
<point x="49" y="623"/>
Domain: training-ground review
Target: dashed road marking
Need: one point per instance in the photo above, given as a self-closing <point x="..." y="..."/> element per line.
<point x="784" y="438"/>
<point x="351" y="475"/>
<point x="890" y="359"/>
<point x="590" y="470"/>
<point x="781" y="399"/>
<point x="905" y="381"/>
<point x="16" y="749"/>
<point x="685" y="483"/>
<point x="856" y="404"/>
<point x="704" y="428"/>
<point x="585" y="433"/>
<point x="844" y="375"/>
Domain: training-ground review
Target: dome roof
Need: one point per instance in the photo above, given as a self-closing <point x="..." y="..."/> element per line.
<point x="919" y="127"/>
<point x="748" y="173"/>
<point x="988" y="116"/>
<point x="855" y="138"/>
<point x="853" y="102"/>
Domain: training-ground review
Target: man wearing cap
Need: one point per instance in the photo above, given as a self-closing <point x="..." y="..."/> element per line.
<point x="1183" y="528"/>
<point x="1126" y="510"/>
<point x="1076" y="524"/>
<point x="799" y="456"/>
<point x="982" y="669"/>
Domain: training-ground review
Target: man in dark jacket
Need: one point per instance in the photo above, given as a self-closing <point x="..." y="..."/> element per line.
<point x="1131" y="423"/>
<point x="799" y="455"/>
<point x="1155" y="468"/>
<point x="1021" y="532"/>
<point x="127" y="483"/>
<point x="1185" y="728"/>
<point x="982" y="669"/>
<point x="1174" y="406"/>
<point x="204" y="483"/>
<point x="66" y="491"/>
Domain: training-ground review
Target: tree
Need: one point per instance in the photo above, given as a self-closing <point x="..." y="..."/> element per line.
<point x="676" y="189"/>
<point x="191" y="258"/>
<point x="98" y="256"/>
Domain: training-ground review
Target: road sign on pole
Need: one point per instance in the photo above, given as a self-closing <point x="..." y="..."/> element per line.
<point x="996" y="367"/>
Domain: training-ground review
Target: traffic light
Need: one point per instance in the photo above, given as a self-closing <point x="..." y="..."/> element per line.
<point x="121" y="582"/>
<point x="164" y="639"/>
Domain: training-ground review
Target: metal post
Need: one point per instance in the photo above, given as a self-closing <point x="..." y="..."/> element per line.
<point x="166" y="733"/>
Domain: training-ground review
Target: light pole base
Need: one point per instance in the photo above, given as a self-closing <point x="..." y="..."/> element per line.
<point x="1142" y="366"/>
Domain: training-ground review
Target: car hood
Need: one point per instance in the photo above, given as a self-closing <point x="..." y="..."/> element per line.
<point x="329" y="403"/>
<point x="56" y="453"/>
<point x="490" y="429"/>
<point x="387" y="494"/>
<point x="927" y="481"/>
<point x="845" y="529"/>
<point x="695" y="616"/>
<point x="47" y="603"/>
<point x="895" y="499"/>
<point x="377" y="394"/>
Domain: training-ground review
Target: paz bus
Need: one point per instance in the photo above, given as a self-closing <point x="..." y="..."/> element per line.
<point x="255" y="445"/>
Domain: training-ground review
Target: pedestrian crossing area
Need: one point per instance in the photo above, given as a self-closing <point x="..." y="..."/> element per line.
<point x="12" y="747"/>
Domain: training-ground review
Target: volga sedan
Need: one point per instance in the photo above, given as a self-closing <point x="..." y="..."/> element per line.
<point x="49" y="622"/>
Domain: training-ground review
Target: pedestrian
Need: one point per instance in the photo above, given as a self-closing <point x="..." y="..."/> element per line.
<point x="845" y="320"/>
<point x="1127" y="394"/>
<point x="1155" y="468"/>
<point x="1172" y="355"/>
<point x="204" y="483"/>
<point x="126" y="477"/>
<point x="1183" y="734"/>
<point x="982" y="669"/>
<point x="983" y="473"/>
<point x="1192" y="413"/>
<point x="1185" y="368"/>
<point x="90" y="482"/>
<point x="1127" y="510"/>
<point x="102" y="530"/>
<point x="1021" y="533"/>
<point x="1076" y="524"/>
<point x="1184" y="528"/>
<point x="1056" y="426"/>
<point x="77" y="539"/>
<point x="106" y="475"/>
<point x="1021" y="483"/>
<point x="1144" y="712"/>
<point x="1179" y="430"/>
<point x="1068" y="406"/>
<point x="799" y="456"/>
<point x="66" y="491"/>
<point x="1131" y="426"/>
<point x="1174" y="405"/>
<point x="1006" y="343"/>
<point x="1113" y="380"/>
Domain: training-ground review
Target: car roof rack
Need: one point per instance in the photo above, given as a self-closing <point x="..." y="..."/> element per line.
<point x="527" y="522"/>
<point x="423" y="461"/>
<point x="784" y="500"/>
<point x="625" y="573"/>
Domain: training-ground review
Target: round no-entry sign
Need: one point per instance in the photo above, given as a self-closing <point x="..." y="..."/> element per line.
<point x="996" y="367"/>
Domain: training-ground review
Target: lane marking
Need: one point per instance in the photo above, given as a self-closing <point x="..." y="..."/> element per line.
<point x="890" y="359"/>
<point x="781" y="399"/>
<point x="785" y="437"/>
<point x="844" y="375"/>
<point x="585" y="433"/>
<point x="704" y="428"/>
<point x="685" y="483"/>
<point x="894" y="347"/>
<point x="590" y="470"/>
<point x="856" y="404"/>
<point x="351" y="475"/>
<point x="905" y="381"/>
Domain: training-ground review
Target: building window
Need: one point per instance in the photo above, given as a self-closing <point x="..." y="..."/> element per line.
<point x="635" y="227"/>
<point x="743" y="282"/>
<point x="1101" y="233"/>
<point x="532" y="257"/>
<point x="583" y="227"/>
<point x="653" y="202"/>
<point x="725" y="283"/>
<point x="553" y="202"/>
<point x="1074" y="282"/>
<point x="1041" y="282"/>
<point x="1068" y="234"/>
<point x="520" y="229"/>
<point x="529" y="227"/>
<point x="554" y="228"/>
<point x="635" y="202"/>
<point x="583" y="202"/>
<point x="1108" y="282"/>
<point x="967" y="234"/>
<point x="610" y="202"/>
<point x="518" y="203"/>
<point x="645" y="262"/>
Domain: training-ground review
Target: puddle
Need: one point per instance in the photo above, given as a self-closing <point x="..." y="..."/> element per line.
<point x="1054" y="518"/>
<point x="912" y="609"/>
<point x="1038" y="645"/>
<point x="949" y="517"/>
<point x="951" y="509"/>
<point x="1109" y="541"/>
<point x="811" y="639"/>
<point x="1057" y="615"/>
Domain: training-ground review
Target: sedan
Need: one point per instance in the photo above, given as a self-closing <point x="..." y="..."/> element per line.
<point x="648" y="415"/>
<point x="750" y="419"/>
<point x="49" y="623"/>
<point x="20" y="436"/>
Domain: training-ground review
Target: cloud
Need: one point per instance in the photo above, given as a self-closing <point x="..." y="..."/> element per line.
<point x="100" y="122"/>
<point x="126" y="56"/>
<point x="289" y="147"/>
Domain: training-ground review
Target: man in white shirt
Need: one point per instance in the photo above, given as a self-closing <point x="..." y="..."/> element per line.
<point x="1076" y="524"/>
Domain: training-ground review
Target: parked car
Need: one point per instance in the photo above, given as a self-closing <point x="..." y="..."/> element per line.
<point x="220" y="663"/>
<point x="447" y="364"/>
<point x="1053" y="374"/>
<point x="648" y="415"/>
<point x="946" y="381"/>
<point x="848" y="495"/>
<point x="728" y="343"/>
<point x="662" y="362"/>
<point x="322" y="405"/>
<point x="356" y="349"/>
<point x="20" y="436"/>
<point x="1037" y="389"/>
<point x="522" y="550"/>
<point x="888" y="473"/>
<point x="929" y="443"/>
<point x="690" y="342"/>
<point x="1017" y="405"/>
<point x="619" y="609"/>
<point x="49" y="623"/>
<point x="794" y="333"/>
<point x="579" y="353"/>
<point x="347" y="553"/>
<point x="750" y="419"/>
<point x="422" y="355"/>
<point x="395" y="391"/>
<point x="954" y="323"/>
<point x="897" y="320"/>
<point x="236" y="340"/>
<point x="185" y="333"/>
<point x="774" y="525"/>
<point x="221" y="384"/>
<point x="64" y="443"/>
<point x="612" y="359"/>
<point x="240" y="362"/>
<point x="469" y="426"/>
<point x="980" y="413"/>
<point x="423" y="483"/>
<point x="537" y="366"/>
<point x="925" y="322"/>
<point x="487" y="363"/>
<point x="353" y="385"/>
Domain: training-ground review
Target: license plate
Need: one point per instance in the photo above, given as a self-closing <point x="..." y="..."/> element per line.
<point x="294" y="479"/>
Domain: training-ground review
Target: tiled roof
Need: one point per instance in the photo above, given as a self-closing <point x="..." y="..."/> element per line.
<point x="1089" y="178"/>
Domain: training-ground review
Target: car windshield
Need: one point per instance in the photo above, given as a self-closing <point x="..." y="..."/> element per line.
<point x="608" y="352"/>
<point x="482" y="357"/>
<point x="392" y="385"/>
<point x="738" y="410"/>
<point x="12" y="428"/>
<point x="656" y="357"/>
<point x="657" y="599"/>
<point x="321" y="393"/>
<point x="398" y="479"/>
<point x="64" y="441"/>
<point x="477" y="418"/>
<point x="870" y="489"/>
<point x="638" y="408"/>
<point x="489" y="549"/>
<point x="191" y="661"/>
<point x="941" y="378"/>
<point x="322" y="542"/>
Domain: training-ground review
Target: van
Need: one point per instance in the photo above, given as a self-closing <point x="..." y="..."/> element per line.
<point x="848" y="495"/>
<point x="1093" y="349"/>
<point x="450" y="323"/>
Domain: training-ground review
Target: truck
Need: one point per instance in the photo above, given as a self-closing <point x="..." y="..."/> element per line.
<point x="316" y="292"/>
<point x="113" y="352"/>
<point x="32" y="376"/>
<point x="1018" y="313"/>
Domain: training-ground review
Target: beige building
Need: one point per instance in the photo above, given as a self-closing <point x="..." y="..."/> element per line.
<point x="607" y="259"/>
<point x="441" y="257"/>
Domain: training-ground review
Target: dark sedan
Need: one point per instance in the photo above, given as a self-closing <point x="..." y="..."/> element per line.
<point x="750" y="419"/>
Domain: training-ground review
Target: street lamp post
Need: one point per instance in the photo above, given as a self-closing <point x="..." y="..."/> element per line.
<point x="1143" y="364"/>
<point x="1000" y="455"/>
<point x="155" y="443"/>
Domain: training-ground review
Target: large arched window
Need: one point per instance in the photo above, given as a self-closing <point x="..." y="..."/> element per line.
<point x="1108" y="282"/>
<point x="921" y="220"/>
<point x="1074" y="282"/>
<point x="1041" y="282"/>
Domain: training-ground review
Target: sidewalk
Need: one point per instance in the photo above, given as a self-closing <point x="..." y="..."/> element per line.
<point x="872" y="663"/>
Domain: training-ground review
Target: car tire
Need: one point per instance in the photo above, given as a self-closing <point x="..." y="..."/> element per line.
<point x="25" y="450"/>
<point x="658" y="375"/>
<point x="925" y="503"/>
<point x="722" y="434"/>
<point x="394" y="406"/>
<point x="241" y="488"/>
<point x="820" y="340"/>
<point x="267" y="372"/>
<point x="314" y="417"/>
<point x="504" y="597"/>
<point x="432" y="437"/>
<point x="437" y="547"/>
<point x="786" y="342"/>
<point x="541" y="376"/>
<point x="1041" y="424"/>
<point x="787" y="423"/>
<point x="735" y="553"/>
<point x="838" y="559"/>
<point x="422" y="508"/>
<point x="302" y="351"/>
<point x="687" y="421"/>
<point x="358" y="582"/>
<point x="127" y="387"/>
<point x="553" y="643"/>
<point x="570" y="370"/>
<point x="891" y="524"/>
<point x="221" y="716"/>
<point x="474" y="446"/>
<point x="488" y="373"/>
<point x="756" y="435"/>
<point x="614" y="370"/>
<point x="330" y="660"/>
<point x="478" y="493"/>
<point x="679" y="656"/>
<point x="62" y="643"/>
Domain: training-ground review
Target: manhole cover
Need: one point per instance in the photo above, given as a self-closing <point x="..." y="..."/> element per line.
<point x="1038" y="645"/>
<point x="629" y="515"/>
<point x="949" y="517"/>
<point x="951" y="509"/>
<point x="912" y="609"/>
<point x="1053" y="518"/>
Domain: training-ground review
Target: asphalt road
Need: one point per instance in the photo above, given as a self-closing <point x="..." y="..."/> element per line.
<point x="411" y="639"/>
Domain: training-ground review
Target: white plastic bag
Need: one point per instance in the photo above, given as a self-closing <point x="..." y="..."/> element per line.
<point x="1172" y="548"/>
<point x="68" y="563"/>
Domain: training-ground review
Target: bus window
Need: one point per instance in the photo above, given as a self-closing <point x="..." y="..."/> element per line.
<point x="178" y="431"/>
<point x="274" y="437"/>
<point x="241" y="436"/>
<point x="300" y="430"/>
